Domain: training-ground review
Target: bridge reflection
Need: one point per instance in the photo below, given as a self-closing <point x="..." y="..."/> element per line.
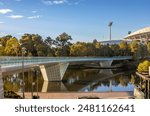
<point x="84" y="80"/>
<point x="77" y="80"/>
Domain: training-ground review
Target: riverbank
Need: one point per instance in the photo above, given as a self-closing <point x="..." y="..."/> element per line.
<point x="81" y="95"/>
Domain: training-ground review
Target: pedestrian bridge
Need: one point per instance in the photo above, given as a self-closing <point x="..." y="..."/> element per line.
<point x="52" y="68"/>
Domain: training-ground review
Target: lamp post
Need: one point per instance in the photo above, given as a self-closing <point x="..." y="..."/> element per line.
<point x="23" y="50"/>
<point x="110" y="25"/>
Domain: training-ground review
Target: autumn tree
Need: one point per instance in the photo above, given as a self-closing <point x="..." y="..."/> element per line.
<point x="34" y="45"/>
<point x="123" y="48"/>
<point x="4" y="39"/>
<point x="78" y="49"/>
<point x="12" y="47"/>
<point x="2" y="52"/>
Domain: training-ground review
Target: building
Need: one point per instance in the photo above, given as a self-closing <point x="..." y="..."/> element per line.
<point x="110" y="42"/>
<point x="142" y="35"/>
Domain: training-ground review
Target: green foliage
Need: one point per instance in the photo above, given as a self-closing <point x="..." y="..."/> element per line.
<point x="34" y="45"/>
<point x="2" y="52"/>
<point x="63" y="39"/>
<point x="134" y="46"/>
<point x="148" y="47"/>
<point x="78" y="49"/>
<point x="143" y="66"/>
<point x="63" y="42"/>
<point x="4" y="39"/>
<point x="61" y="46"/>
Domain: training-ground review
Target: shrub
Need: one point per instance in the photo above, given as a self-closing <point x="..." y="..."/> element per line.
<point x="144" y="66"/>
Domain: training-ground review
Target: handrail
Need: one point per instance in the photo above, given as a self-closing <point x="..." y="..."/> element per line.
<point x="5" y="61"/>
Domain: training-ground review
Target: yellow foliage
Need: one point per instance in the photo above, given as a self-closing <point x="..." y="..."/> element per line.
<point x="144" y="66"/>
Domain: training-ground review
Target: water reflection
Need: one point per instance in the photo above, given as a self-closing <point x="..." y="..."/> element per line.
<point x="84" y="80"/>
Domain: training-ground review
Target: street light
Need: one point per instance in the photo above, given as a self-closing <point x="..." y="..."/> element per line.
<point x="110" y="24"/>
<point x="23" y="50"/>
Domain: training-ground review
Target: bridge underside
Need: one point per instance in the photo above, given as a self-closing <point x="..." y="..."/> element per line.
<point x="106" y="64"/>
<point x="56" y="71"/>
<point x="53" y="72"/>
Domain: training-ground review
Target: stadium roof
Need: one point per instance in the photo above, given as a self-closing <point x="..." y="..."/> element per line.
<point x="141" y="31"/>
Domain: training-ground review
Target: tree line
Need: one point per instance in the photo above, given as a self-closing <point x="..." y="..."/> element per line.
<point x="35" y="45"/>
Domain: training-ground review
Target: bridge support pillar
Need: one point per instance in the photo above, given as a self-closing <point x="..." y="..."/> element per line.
<point x="53" y="72"/>
<point x="106" y="71"/>
<point x="1" y="85"/>
<point x="58" y="86"/>
<point x="106" y="64"/>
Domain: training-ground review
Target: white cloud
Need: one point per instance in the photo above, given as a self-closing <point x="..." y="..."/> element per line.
<point x="1" y="22"/>
<point x="5" y="11"/>
<point x="34" y="11"/>
<point x="59" y="2"/>
<point x="34" y="17"/>
<point x="18" y="0"/>
<point x="54" y="2"/>
<point x="15" y="16"/>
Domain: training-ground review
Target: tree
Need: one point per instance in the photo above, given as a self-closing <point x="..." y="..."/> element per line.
<point x="97" y="48"/>
<point x="27" y="42"/>
<point x="62" y="44"/>
<point x="134" y="49"/>
<point x="12" y="47"/>
<point x="106" y="51"/>
<point x="64" y="40"/>
<point x="91" y="50"/>
<point x="78" y="49"/>
<point x="148" y="47"/>
<point x="2" y="52"/>
<point x="143" y="66"/>
<point x="34" y="44"/>
<point x="123" y="47"/>
<point x="142" y="50"/>
<point x="134" y="46"/>
<point x="115" y="49"/>
<point x="51" y="44"/>
<point x="4" y="39"/>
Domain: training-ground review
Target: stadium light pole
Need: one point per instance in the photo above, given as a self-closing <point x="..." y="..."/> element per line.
<point x="23" y="50"/>
<point x="110" y="25"/>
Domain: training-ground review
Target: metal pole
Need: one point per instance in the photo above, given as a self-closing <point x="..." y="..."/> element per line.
<point x="110" y="24"/>
<point x="110" y="33"/>
<point x="37" y="82"/>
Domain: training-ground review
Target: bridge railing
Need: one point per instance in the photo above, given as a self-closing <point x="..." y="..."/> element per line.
<point x="6" y="61"/>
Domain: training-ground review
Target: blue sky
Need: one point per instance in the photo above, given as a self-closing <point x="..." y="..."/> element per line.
<point x="84" y="20"/>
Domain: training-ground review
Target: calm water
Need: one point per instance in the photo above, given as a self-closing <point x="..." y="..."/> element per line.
<point x="83" y="80"/>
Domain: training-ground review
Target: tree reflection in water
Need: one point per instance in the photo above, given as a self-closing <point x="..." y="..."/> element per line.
<point x="75" y="80"/>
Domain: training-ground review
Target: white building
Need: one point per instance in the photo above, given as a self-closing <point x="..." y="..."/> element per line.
<point x="142" y="35"/>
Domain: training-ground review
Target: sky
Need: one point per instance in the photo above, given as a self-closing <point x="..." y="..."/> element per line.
<point x="84" y="20"/>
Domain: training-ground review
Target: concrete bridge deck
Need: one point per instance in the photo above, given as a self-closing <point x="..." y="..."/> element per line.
<point x="52" y="68"/>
